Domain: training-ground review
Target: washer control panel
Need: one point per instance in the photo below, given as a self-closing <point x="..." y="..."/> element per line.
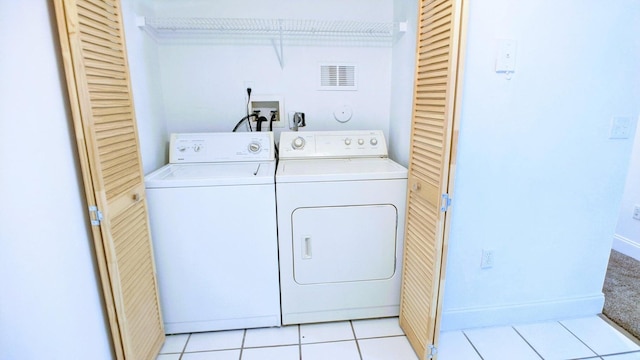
<point x="332" y="144"/>
<point x="221" y="147"/>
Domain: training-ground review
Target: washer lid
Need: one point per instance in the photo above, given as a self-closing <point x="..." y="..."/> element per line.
<point x="339" y="170"/>
<point x="211" y="174"/>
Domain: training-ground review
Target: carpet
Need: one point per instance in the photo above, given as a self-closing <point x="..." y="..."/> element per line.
<point x="622" y="292"/>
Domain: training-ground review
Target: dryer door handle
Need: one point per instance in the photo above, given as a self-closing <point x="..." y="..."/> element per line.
<point x="306" y="247"/>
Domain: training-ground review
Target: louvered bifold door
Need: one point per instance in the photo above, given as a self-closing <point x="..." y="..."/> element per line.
<point x="431" y="143"/>
<point x="94" y="55"/>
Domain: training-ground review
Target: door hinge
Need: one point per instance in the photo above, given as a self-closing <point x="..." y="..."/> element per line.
<point x="95" y="215"/>
<point x="446" y="202"/>
<point x="432" y="350"/>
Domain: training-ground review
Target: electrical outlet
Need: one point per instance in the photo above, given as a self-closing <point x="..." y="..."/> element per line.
<point x="487" y="259"/>
<point x="620" y="127"/>
<point x="248" y="84"/>
<point x="636" y="212"/>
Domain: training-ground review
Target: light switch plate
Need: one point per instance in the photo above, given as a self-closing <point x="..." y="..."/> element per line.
<point x="506" y="58"/>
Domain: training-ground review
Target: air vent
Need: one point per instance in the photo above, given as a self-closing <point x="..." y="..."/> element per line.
<point x="338" y="77"/>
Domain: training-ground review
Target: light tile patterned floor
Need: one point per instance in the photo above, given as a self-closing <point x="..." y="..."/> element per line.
<point x="382" y="339"/>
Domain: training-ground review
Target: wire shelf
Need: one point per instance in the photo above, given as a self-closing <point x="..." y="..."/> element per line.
<point x="271" y="27"/>
<point x="276" y="32"/>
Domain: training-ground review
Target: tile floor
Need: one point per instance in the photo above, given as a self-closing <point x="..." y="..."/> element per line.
<point x="382" y="339"/>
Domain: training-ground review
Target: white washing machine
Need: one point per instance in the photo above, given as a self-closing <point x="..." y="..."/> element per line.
<point x="212" y="212"/>
<point x="341" y="209"/>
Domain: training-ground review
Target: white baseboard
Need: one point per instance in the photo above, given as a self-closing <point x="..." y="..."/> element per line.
<point x="626" y="246"/>
<point x="559" y="309"/>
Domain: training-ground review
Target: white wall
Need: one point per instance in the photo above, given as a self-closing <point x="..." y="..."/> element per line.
<point x="627" y="236"/>
<point x="204" y="82"/>
<point x="538" y="180"/>
<point x="144" y="71"/>
<point x="50" y="304"/>
<point x="402" y="76"/>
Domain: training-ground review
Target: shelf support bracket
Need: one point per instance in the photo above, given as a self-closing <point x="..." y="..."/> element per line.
<point x="279" y="49"/>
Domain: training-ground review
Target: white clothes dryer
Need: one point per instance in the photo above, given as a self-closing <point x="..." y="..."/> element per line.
<point x="212" y="213"/>
<point x="341" y="210"/>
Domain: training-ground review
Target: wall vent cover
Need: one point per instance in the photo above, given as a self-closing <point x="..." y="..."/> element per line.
<point x="338" y="77"/>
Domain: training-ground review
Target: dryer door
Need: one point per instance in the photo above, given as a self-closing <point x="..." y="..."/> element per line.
<point x="344" y="243"/>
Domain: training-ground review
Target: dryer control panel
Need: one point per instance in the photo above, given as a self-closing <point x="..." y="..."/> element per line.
<point x="221" y="147"/>
<point x="332" y="144"/>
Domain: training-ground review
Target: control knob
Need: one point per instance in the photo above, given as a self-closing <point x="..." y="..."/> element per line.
<point x="347" y="141"/>
<point x="181" y="148"/>
<point x="254" y="147"/>
<point x="360" y="142"/>
<point x="197" y="147"/>
<point x="298" y="143"/>
<point x="373" y="141"/>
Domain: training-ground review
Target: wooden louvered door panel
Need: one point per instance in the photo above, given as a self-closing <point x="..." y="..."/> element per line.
<point x="94" y="55"/>
<point x="430" y="170"/>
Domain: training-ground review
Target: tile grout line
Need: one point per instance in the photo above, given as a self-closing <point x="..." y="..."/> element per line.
<point x="471" y="343"/>
<point x="184" y="347"/>
<point x="244" y="337"/>
<point x="527" y="342"/>
<point x="601" y="355"/>
<point x="622" y="353"/>
<point x="355" y="337"/>
<point x="576" y="336"/>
